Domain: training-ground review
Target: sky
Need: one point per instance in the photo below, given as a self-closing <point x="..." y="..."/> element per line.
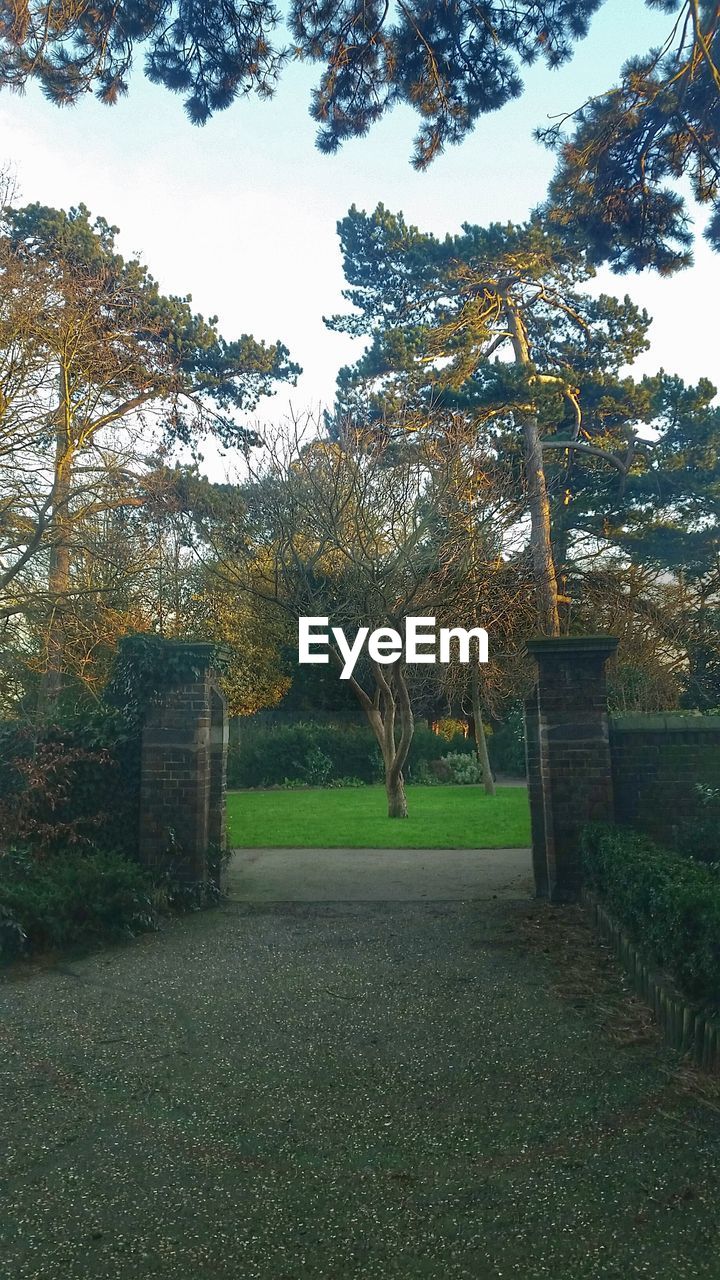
<point x="242" y="213"/>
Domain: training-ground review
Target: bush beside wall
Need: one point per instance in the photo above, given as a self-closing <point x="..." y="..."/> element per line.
<point x="74" y="784"/>
<point x="71" y="900"/>
<point x="319" y="754"/>
<point x="669" y="904"/>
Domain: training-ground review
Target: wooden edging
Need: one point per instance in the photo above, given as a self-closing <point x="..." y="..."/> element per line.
<point x="685" y="1027"/>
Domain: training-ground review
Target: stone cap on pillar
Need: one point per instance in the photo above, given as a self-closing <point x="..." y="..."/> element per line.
<point x="195" y="656"/>
<point x="202" y="655"/>
<point x="600" y="645"/>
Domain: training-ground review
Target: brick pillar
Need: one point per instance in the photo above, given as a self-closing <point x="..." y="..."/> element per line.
<point x="574" y="750"/>
<point x="217" y="819"/>
<point x="535" y="795"/>
<point x="182" y="771"/>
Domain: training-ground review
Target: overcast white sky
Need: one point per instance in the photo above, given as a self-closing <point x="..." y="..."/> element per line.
<point x="242" y="213"/>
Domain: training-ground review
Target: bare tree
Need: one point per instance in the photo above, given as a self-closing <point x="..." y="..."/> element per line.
<point x="485" y="572"/>
<point x="368" y="532"/>
<point x="346" y="532"/>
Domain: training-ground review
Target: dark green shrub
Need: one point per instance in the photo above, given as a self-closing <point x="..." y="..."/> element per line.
<point x="669" y="904"/>
<point x="428" y="746"/>
<point x="74" y="899"/>
<point x="180" y="897"/>
<point x="310" y="753"/>
<point x="12" y="936"/>
<point x="426" y="773"/>
<point x="72" y="784"/>
<point x="321" y="755"/>
<point x="506" y="745"/>
<point x="699" y="836"/>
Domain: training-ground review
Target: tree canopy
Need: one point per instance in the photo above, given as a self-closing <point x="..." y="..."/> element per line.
<point x="101" y="377"/>
<point x="493" y="324"/>
<point x="626" y="151"/>
<point x="620" y="160"/>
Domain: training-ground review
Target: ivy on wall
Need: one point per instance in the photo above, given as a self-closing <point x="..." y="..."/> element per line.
<point x="74" y="784"/>
<point x="148" y="665"/>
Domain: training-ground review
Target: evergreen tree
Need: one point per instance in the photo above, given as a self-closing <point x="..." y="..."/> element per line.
<point x="666" y="521"/>
<point x="492" y="324"/>
<point x="617" y="183"/>
<point x="452" y="62"/>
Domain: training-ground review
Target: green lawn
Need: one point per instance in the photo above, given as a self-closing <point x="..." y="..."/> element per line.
<point x="440" y="818"/>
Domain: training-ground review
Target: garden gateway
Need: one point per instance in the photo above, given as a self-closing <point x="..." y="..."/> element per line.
<point x="385" y="644"/>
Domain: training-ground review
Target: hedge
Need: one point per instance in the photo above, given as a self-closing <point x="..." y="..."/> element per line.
<point x="669" y="905"/>
<point x="71" y="900"/>
<point x="318" y="754"/>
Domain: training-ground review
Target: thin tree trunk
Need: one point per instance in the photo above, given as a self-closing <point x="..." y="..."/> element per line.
<point x="391" y="699"/>
<point x="540" y="534"/>
<point x="546" y="589"/>
<point x="59" y="570"/>
<point x="480" y="739"/>
<point x="397" y="800"/>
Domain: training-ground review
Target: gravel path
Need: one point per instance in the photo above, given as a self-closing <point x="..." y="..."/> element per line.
<point x="379" y="875"/>
<point x="330" y="1090"/>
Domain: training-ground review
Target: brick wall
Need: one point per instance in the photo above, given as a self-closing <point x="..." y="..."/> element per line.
<point x="641" y="771"/>
<point x="569" y="759"/>
<point x="656" y="762"/>
<point x="175" y="781"/>
<point x="183" y="773"/>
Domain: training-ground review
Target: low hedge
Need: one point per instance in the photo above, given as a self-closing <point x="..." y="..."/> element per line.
<point x="299" y="752"/>
<point x="71" y="900"/>
<point x="668" y="904"/>
<point x="317" y="754"/>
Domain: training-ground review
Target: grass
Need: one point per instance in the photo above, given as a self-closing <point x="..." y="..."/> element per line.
<point x="356" y="818"/>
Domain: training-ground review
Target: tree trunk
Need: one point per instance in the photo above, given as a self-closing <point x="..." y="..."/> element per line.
<point x="59" y="570"/>
<point x="540" y="535"/>
<point x="480" y="739"/>
<point x="546" y="590"/>
<point x="391" y="699"/>
<point x="395" y="788"/>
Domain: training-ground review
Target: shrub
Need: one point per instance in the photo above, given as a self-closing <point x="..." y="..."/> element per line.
<point x="73" y="784"/>
<point x="12" y="936"/>
<point x="506" y="746"/>
<point x="699" y="836"/>
<point x="318" y="768"/>
<point x="310" y="753"/>
<point x="426" y="773"/>
<point x="463" y="769"/>
<point x="180" y="896"/>
<point x="322" y="755"/>
<point x="72" y="899"/>
<point x="668" y="904"/>
<point x="428" y="747"/>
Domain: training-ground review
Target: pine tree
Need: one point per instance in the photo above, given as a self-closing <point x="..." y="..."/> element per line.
<point x="451" y="62"/>
<point x="492" y="324"/>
